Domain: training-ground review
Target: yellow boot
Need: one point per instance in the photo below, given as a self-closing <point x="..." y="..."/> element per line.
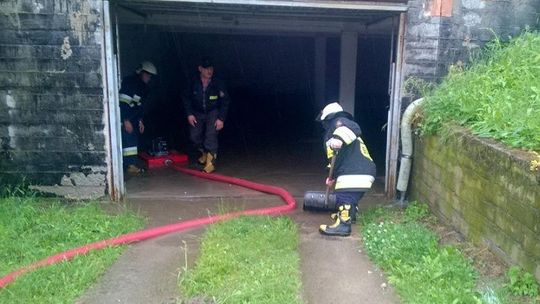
<point x="202" y="158"/>
<point x="342" y="226"/>
<point x="133" y="170"/>
<point x="210" y="162"/>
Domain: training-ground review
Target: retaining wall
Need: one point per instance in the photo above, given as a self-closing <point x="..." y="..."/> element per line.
<point x="485" y="191"/>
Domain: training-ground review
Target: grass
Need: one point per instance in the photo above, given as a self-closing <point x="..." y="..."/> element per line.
<point x="246" y="260"/>
<point x="419" y="269"/>
<point x="424" y="269"/>
<point x="496" y="96"/>
<point x="32" y="229"/>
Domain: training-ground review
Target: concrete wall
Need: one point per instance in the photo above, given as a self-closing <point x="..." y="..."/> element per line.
<point x="486" y="192"/>
<point x="444" y="32"/>
<point x="51" y="96"/>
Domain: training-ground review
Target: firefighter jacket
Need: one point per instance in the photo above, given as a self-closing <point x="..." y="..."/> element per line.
<point x="354" y="169"/>
<point x="215" y="97"/>
<point x="132" y="95"/>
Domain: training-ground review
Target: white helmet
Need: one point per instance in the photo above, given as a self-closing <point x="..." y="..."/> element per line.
<point x="148" y="67"/>
<point x="330" y="108"/>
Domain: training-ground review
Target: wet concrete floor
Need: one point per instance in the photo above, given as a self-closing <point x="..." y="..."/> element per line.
<point x="334" y="270"/>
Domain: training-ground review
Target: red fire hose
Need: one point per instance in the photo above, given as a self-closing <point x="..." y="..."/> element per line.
<point x="162" y="230"/>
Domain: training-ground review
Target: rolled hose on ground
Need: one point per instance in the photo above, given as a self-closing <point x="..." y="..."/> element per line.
<point x="162" y="230"/>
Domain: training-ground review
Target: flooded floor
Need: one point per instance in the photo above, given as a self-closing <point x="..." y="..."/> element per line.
<point x="148" y="271"/>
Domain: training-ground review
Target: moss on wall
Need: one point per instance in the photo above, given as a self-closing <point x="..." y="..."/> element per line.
<point x="485" y="191"/>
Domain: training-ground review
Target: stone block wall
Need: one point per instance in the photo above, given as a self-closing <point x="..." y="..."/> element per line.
<point x="485" y="191"/>
<point x="445" y="32"/>
<point x="51" y="96"/>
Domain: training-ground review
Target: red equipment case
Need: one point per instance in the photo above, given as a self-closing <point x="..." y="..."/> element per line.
<point x="164" y="160"/>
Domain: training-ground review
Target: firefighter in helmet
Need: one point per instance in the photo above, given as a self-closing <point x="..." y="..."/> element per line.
<point x="133" y="92"/>
<point x="354" y="169"/>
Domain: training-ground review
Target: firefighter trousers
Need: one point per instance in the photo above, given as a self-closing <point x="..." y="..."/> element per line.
<point x="204" y="135"/>
<point x="130" y="141"/>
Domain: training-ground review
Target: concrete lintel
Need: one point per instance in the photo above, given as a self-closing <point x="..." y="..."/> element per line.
<point x="349" y="5"/>
<point x="244" y="23"/>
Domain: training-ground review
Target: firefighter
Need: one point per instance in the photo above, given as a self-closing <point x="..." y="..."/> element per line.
<point x="206" y="105"/>
<point x="354" y="169"/>
<point x="132" y="94"/>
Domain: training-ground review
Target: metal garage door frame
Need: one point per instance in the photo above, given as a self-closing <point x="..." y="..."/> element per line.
<point x="115" y="174"/>
<point x="115" y="177"/>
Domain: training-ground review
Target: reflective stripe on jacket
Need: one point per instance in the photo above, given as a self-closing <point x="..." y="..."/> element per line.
<point x="353" y="159"/>
<point x="131" y="96"/>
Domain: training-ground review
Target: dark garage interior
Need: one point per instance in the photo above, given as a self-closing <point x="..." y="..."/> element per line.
<point x="269" y="74"/>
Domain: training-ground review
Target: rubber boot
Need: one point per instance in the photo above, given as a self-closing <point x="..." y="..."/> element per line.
<point x="133" y="170"/>
<point x="202" y="158"/>
<point x="354" y="212"/>
<point x="342" y="226"/>
<point x="209" y="167"/>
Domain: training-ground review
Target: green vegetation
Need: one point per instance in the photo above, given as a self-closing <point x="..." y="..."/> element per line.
<point x="403" y="244"/>
<point x="521" y="283"/>
<point x="32" y="229"/>
<point x="16" y="188"/>
<point x="497" y="96"/>
<point x="246" y="260"/>
<point x="517" y="286"/>
<point x="420" y="269"/>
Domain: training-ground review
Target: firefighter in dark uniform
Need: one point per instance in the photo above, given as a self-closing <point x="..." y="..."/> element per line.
<point x="206" y="104"/>
<point x="354" y="169"/>
<point x="132" y="94"/>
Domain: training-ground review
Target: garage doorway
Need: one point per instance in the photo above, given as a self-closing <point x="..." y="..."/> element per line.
<point x="281" y="60"/>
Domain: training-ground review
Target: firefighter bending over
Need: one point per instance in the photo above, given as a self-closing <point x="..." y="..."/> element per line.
<point x="354" y="170"/>
<point x="132" y="94"/>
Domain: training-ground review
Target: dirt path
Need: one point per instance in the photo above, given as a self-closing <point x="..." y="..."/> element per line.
<point x="334" y="270"/>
